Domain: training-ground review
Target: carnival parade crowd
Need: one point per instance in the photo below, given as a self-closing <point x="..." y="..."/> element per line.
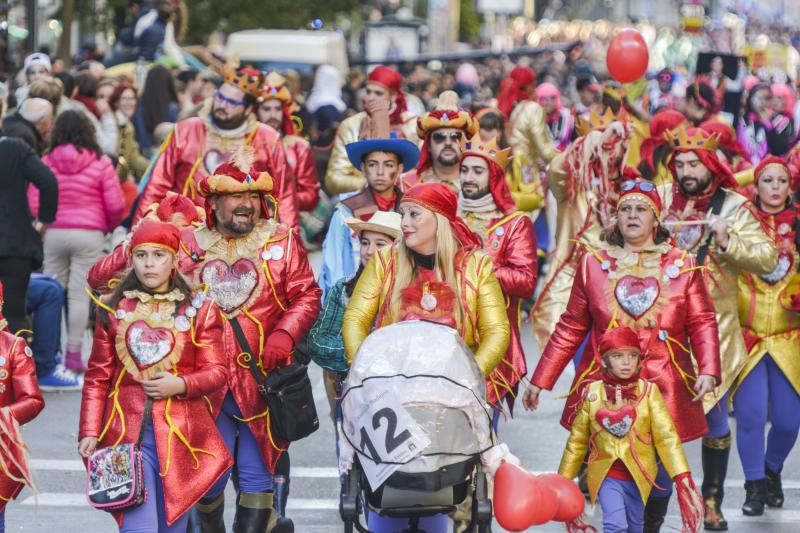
<point x="652" y="241"/>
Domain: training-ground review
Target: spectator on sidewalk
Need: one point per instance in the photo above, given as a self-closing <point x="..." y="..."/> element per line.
<point x="31" y="123"/>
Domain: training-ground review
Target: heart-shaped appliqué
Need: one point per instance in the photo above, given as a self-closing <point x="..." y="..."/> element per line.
<point x="686" y="237"/>
<point x="636" y="295"/>
<point x="148" y="345"/>
<point x="230" y="285"/>
<point x="783" y="267"/>
<point x="618" y="422"/>
<point x="214" y="158"/>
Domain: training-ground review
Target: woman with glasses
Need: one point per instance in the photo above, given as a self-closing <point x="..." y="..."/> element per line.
<point x="640" y="281"/>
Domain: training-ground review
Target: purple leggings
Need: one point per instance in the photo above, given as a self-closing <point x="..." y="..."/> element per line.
<point x="253" y="474"/>
<point x="150" y="517"/>
<point x="717" y="419"/>
<point x="382" y="524"/>
<point x="765" y="395"/>
<point x="623" y="509"/>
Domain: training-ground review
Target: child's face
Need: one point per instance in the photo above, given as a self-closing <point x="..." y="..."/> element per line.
<point x="622" y="363"/>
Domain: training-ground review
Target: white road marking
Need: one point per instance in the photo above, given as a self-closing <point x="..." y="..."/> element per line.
<point x="69" y="465"/>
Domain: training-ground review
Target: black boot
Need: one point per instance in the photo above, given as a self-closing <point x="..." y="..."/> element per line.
<point x="211" y="513"/>
<point x="715" y="468"/>
<point x="654" y="513"/>
<point x="253" y="512"/>
<point x="282" y="524"/>
<point x="774" y="488"/>
<point x="755" y="497"/>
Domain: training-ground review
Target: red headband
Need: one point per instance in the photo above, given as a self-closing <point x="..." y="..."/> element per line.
<point x="769" y="161"/>
<point x="616" y="338"/>
<point x="155" y="233"/>
<point x="651" y="197"/>
<point x="392" y="81"/>
<point x="441" y="199"/>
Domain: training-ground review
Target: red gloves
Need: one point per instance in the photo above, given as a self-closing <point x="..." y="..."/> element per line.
<point x="277" y="350"/>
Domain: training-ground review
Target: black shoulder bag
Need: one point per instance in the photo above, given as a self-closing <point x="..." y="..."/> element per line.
<point x="716" y="207"/>
<point x="287" y="392"/>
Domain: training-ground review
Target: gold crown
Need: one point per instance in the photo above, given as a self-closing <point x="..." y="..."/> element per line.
<point x="274" y="88"/>
<point x="679" y="139"/>
<point x="489" y="150"/>
<point x="596" y="122"/>
<point x="246" y="80"/>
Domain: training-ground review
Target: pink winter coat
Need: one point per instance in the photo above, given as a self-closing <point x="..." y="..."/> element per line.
<point x="89" y="193"/>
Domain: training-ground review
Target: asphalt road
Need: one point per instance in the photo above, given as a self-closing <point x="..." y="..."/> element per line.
<point x="537" y="439"/>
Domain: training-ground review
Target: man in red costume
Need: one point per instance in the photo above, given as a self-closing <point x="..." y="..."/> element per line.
<point x="198" y="145"/>
<point x="486" y="205"/>
<point x="274" y="110"/>
<point x="258" y="273"/>
<point x="384" y="86"/>
<point x="720" y="228"/>
<point x="442" y="131"/>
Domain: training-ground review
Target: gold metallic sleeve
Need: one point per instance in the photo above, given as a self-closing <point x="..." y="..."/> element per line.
<point x="493" y="327"/>
<point x="529" y="135"/>
<point x="749" y="248"/>
<point x="363" y="305"/>
<point x="575" y="451"/>
<point x="341" y="176"/>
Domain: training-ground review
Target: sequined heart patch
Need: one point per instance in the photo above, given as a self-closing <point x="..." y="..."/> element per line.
<point x="686" y="237"/>
<point x="783" y="267"/>
<point x="214" y="158"/>
<point x="148" y="345"/>
<point x="617" y="421"/>
<point x="230" y="285"/>
<point x="636" y="295"/>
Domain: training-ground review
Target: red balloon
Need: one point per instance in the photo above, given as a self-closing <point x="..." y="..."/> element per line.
<point x="547" y="506"/>
<point x="570" y="498"/>
<point x="627" y="56"/>
<point x="516" y="497"/>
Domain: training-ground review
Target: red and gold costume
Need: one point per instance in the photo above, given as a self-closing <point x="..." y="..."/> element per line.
<point x="582" y="179"/>
<point x="298" y="150"/>
<point x="770" y="322"/>
<point x="446" y="115"/>
<point x="749" y="249"/>
<point x="143" y="335"/>
<point x="20" y="402"/>
<point x="485" y="327"/>
<point x="262" y="279"/>
<point x="342" y="176"/>
<point x="510" y="241"/>
<point x="196" y="147"/>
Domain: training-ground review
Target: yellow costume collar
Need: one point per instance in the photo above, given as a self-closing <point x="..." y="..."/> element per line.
<point x="174" y="295"/>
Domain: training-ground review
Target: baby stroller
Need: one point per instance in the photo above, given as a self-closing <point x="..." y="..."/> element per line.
<point x="420" y="383"/>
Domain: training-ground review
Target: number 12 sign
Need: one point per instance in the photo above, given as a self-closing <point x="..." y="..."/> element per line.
<point x="386" y="432"/>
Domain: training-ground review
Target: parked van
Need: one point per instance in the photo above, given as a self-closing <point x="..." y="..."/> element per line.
<point x="299" y="50"/>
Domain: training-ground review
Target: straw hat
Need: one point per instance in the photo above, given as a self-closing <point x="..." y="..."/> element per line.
<point x="386" y="222"/>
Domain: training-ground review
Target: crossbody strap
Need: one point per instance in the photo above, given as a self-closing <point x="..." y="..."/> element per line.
<point x="244" y="345"/>
<point x="716" y="207"/>
<point x="148" y="411"/>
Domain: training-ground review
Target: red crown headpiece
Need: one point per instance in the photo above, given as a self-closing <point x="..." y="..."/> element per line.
<point x="247" y="80"/>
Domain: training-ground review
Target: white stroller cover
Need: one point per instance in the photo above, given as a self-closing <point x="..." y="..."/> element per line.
<point x="429" y="369"/>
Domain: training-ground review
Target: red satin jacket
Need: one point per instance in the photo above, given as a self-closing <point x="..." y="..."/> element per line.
<point x="264" y="281"/>
<point x="671" y="314"/>
<point x="195" y="148"/>
<point x="113" y="402"/>
<point x="511" y="244"/>
<point x="300" y="159"/>
<point x="19" y="391"/>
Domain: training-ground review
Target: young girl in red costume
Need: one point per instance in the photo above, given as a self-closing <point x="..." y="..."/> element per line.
<point x="157" y="340"/>
<point x="625" y="426"/>
<point x="20" y="402"/>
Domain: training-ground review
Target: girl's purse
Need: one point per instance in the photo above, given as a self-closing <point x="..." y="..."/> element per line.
<point x="115" y="474"/>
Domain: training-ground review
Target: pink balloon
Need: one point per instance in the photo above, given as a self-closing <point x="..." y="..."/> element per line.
<point x="627" y="56"/>
<point x="571" y="502"/>
<point x="516" y="497"/>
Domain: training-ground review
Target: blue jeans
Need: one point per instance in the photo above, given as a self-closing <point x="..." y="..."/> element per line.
<point x="253" y="475"/>
<point x="150" y="517"/>
<point x="45" y="302"/>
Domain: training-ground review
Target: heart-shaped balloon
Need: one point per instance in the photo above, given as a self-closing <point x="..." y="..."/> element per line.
<point x="636" y="295"/>
<point x="782" y="267"/>
<point x="148" y="345"/>
<point x="521" y="500"/>
<point x="230" y="286"/>
<point x="617" y="421"/>
<point x="571" y="502"/>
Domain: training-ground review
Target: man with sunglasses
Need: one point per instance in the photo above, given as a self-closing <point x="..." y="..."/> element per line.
<point x="442" y="131"/>
<point x="198" y="145"/>
<point x="381" y="159"/>
<point x="274" y="110"/>
<point x="718" y="226"/>
<point x="384" y="86"/>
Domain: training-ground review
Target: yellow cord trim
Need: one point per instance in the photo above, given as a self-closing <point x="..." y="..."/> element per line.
<point x="504" y="220"/>
<point x="272" y="285"/>
<point x="579" y="380"/>
<point x="586" y="245"/>
<point x="514" y="370"/>
<point x="175" y="430"/>
<point x="115" y="408"/>
<point x="684" y="376"/>
<point x="189" y="186"/>
<point x="112" y="283"/>
<point x="685" y="270"/>
<point x="269" y="427"/>
<point x="97" y="301"/>
<point x="506" y="384"/>
<point x="255" y="321"/>
<point x="23" y="330"/>
<point x="194" y="341"/>
<point x="208" y="402"/>
<point x="246" y="357"/>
